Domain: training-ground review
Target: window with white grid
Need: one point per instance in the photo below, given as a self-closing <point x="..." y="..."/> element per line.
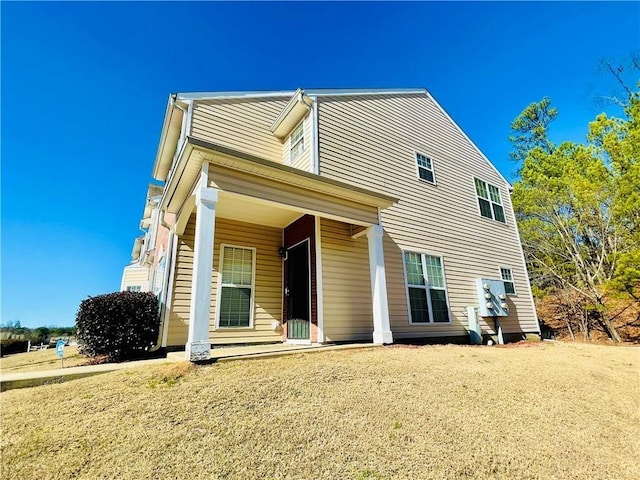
<point x="426" y="289"/>
<point x="297" y="142"/>
<point x="425" y="168"/>
<point x="489" y="201"/>
<point x="507" y="278"/>
<point x="235" y="302"/>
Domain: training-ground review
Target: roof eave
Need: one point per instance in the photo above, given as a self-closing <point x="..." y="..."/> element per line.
<point x="315" y="92"/>
<point x="295" y="110"/>
<point x="169" y="136"/>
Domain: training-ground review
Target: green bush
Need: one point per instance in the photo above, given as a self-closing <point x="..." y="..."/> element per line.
<point x="121" y="326"/>
<point x="13" y="345"/>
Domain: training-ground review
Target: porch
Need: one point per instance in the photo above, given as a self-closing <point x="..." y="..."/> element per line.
<point x="249" y="260"/>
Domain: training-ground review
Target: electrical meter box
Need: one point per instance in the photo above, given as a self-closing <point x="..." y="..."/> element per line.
<point x="492" y="299"/>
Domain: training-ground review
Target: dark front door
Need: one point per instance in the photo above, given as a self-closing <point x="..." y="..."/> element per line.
<point x="297" y="292"/>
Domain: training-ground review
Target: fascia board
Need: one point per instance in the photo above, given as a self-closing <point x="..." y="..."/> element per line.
<point x="297" y="176"/>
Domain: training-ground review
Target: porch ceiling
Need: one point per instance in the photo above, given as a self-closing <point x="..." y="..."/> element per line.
<point x="251" y="210"/>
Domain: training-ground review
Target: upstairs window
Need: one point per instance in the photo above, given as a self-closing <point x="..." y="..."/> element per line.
<point x="235" y="297"/>
<point x="507" y="278"/>
<point x="426" y="290"/>
<point x="425" y="168"/>
<point x="297" y="142"/>
<point x="134" y="288"/>
<point x="489" y="201"/>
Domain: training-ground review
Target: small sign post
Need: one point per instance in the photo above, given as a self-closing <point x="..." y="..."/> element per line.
<point x="60" y="351"/>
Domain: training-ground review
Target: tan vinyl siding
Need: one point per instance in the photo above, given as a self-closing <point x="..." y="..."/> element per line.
<point x="303" y="162"/>
<point x="242" y="125"/>
<point x="346" y="284"/>
<point x="371" y="142"/>
<point x="178" y="327"/>
<point x="268" y="283"/>
<point x="135" y="276"/>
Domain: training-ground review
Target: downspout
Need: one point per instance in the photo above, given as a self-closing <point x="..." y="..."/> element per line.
<point x="498" y="328"/>
<point x="316" y="140"/>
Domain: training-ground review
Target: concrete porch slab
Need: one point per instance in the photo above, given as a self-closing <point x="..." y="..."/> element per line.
<point x="245" y="352"/>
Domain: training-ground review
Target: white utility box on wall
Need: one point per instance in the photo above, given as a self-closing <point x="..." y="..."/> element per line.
<point x="492" y="299"/>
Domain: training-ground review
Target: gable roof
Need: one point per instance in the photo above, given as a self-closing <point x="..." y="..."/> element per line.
<point x="180" y="100"/>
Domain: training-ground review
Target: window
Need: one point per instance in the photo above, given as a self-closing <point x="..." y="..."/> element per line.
<point x="426" y="289"/>
<point x="235" y="293"/>
<point x="134" y="288"/>
<point x="158" y="277"/>
<point x="507" y="278"/>
<point x="489" y="201"/>
<point x="297" y="142"/>
<point x="425" y="168"/>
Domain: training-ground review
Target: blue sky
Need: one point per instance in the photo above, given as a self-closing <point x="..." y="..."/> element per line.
<point x="84" y="88"/>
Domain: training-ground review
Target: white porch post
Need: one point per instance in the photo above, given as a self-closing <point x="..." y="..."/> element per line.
<point x="381" y="327"/>
<point x="198" y="345"/>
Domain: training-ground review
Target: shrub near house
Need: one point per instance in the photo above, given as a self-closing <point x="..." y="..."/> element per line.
<point x="120" y="326"/>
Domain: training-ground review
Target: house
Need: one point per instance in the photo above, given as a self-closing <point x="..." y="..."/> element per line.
<point x="141" y="275"/>
<point x="328" y="216"/>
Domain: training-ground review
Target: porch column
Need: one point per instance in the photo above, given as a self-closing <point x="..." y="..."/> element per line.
<point x="381" y="328"/>
<point x="198" y="345"/>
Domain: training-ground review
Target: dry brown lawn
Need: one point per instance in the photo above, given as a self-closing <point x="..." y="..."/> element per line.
<point x="565" y="411"/>
<point x="41" y="360"/>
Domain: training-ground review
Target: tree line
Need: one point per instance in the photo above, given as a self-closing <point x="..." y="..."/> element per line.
<point x="14" y="330"/>
<point x="578" y="211"/>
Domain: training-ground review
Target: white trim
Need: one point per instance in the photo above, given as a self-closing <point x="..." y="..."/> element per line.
<point x="308" y="240"/>
<point x="169" y="295"/>
<point x="433" y="168"/>
<point x="234" y="95"/>
<point x="468" y="139"/>
<point x="315" y="153"/>
<point x="512" y="281"/>
<point x="427" y="287"/>
<point x="289" y="93"/>
<point x="282" y="336"/>
<point x="338" y="92"/>
<point x="189" y="119"/>
<point x="319" y="289"/>
<point x="219" y="287"/>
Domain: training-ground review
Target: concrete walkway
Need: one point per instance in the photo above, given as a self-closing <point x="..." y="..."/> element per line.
<point x="31" y="379"/>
